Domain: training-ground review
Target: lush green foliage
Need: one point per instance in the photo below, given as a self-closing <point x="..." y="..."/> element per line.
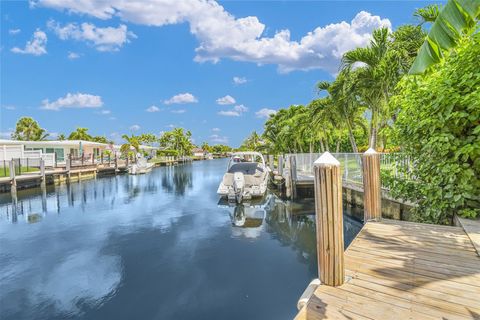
<point x="28" y="129"/>
<point x="439" y="125"/>
<point x="82" y="134"/>
<point x="450" y="24"/>
<point x="177" y="139"/>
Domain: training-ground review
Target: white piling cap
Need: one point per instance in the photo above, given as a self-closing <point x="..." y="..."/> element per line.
<point x="370" y="151"/>
<point x="326" y="158"/>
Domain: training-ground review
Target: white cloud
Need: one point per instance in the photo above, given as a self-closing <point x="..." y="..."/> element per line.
<point x="229" y="113"/>
<point x="103" y="39"/>
<point x="9" y="107"/>
<point x="219" y="139"/>
<point x="179" y="111"/>
<point x="181" y="98"/>
<point x="236" y="111"/>
<point x="153" y="109"/>
<point x="135" y="127"/>
<point x="73" y="55"/>
<point x="36" y="46"/>
<point x="221" y="35"/>
<point x="6" y="134"/>
<point x="239" y="80"/>
<point x="105" y="112"/>
<point x="240" y="108"/>
<point x="216" y="129"/>
<point x="226" y="100"/>
<point x="265" y="112"/>
<point x="73" y="100"/>
<point x="14" y="31"/>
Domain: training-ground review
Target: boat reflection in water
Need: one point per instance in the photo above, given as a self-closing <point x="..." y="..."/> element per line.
<point x="249" y="215"/>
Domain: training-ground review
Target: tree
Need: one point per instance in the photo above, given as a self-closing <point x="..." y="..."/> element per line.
<point x="130" y="142"/>
<point x="80" y="134"/>
<point x="428" y="13"/>
<point x="147" y="138"/>
<point x="28" y="129"/>
<point x="206" y="147"/>
<point x="61" y="137"/>
<point x="100" y="139"/>
<point x="455" y="19"/>
<point x="439" y="127"/>
<point x="177" y="139"/>
<point x="377" y="76"/>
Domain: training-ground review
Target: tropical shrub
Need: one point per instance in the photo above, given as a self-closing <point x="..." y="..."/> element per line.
<point x="439" y="126"/>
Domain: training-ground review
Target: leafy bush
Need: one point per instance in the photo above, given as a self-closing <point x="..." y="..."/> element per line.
<point x="439" y="126"/>
<point x="167" y="153"/>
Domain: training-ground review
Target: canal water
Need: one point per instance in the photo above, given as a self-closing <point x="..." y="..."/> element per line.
<point x="156" y="246"/>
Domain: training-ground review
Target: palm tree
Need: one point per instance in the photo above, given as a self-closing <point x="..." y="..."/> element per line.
<point x="80" y="134"/>
<point x="28" y="129"/>
<point x="131" y="142"/>
<point x="345" y="109"/>
<point x="428" y="13"/>
<point x="61" y="137"/>
<point x="377" y="72"/>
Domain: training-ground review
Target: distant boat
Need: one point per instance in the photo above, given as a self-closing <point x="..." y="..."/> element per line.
<point x="140" y="167"/>
<point x="246" y="177"/>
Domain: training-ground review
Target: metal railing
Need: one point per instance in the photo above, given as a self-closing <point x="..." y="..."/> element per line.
<point x="397" y="165"/>
<point x="21" y="165"/>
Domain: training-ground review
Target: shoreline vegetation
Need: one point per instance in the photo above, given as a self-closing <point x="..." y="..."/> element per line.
<point x="176" y="142"/>
<point x="386" y="97"/>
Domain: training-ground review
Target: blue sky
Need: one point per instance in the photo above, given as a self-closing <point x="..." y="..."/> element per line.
<point x="104" y="65"/>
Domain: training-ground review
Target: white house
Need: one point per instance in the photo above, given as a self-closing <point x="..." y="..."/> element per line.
<point x="56" y="151"/>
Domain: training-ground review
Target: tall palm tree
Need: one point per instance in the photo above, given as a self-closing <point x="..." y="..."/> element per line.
<point x="80" y="134"/>
<point x="131" y="142"/>
<point x="28" y="129"/>
<point x="377" y="69"/>
<point x="428" y="13"/>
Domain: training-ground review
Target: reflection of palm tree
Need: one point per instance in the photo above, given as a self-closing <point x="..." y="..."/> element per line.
<point x="177" y="179"/>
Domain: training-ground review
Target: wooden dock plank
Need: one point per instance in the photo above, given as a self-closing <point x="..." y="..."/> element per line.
<point x="403" y="270"/>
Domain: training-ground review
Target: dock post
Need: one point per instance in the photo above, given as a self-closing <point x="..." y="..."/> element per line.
<point x="13" y="188"/>
<point x="280" y="165"/>
<point x="67" y="166"/>
<point x="371" y="186"/>
<point x="116" y="163"/>
<point x="293" y="175"/>
<point x="329" y="220"/>
<point x="270" y="162"/>
<point x="42" y="171"/>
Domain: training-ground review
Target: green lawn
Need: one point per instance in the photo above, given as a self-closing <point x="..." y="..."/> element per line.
<point x="5" y="172"/>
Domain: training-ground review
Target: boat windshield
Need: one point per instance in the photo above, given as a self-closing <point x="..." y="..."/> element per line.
<point x="244" y="161"/>
<point x="245" y="168"/>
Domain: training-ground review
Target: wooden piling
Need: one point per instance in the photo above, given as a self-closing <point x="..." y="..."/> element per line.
<point x="329" y="220"/>
<point x="293" y="175"/>
<point x="270" y="162"/>
<point x="13" y="179"/>
<point x="371" y="186"/>
<point x="67" y="166"/>
<point x="42" y="172"/>
<point x="280" y="165"/>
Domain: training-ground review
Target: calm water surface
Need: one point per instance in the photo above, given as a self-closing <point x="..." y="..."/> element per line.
<point x="157" y="246"/>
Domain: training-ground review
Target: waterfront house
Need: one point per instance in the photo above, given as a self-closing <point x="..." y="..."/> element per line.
<point x="198" y="153"/>
<point x="50" y="150"/>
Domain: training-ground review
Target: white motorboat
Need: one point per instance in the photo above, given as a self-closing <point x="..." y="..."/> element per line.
<point x="246" y="177"/>
<point x="140" y="167"/>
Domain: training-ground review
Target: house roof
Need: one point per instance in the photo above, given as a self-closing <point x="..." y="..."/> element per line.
<point x="53" y="142"/>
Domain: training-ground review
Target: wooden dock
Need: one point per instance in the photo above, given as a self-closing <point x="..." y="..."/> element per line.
<point x="403" y="270"/>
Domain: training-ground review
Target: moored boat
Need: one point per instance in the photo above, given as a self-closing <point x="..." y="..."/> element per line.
<point x="246" y="177"/>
